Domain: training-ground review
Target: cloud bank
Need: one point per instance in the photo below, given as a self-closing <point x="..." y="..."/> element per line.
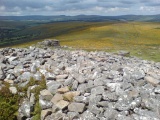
<point x="76" y="7"/>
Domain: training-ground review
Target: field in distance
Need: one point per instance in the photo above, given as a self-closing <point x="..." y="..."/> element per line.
<point x="142" y="39"/>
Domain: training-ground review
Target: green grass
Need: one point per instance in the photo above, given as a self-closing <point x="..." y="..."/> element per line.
<point x="142" y="39"/>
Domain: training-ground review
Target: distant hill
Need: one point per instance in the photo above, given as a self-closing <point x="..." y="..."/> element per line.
<point x="144" y="18"/>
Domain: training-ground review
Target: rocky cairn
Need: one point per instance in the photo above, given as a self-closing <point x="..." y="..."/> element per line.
<point x="83" y="85"/>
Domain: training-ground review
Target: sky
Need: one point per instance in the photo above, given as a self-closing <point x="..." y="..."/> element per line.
<point x="79" y="7"/>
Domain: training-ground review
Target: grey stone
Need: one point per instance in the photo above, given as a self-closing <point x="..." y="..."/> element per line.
<point x="26" y="76"/>
<point x="18" y="70"/>
<point x="2" y="75"/>
<point x="82" y="87"/>
<point x="110" y="114"/>
<point x="98" y="82"/>
<point x="110" y="96"/>
<point x="50" y="76"/>
<point x="68" y="82"/>
<point x="145" y="114"/>
<point x="10" y="59"/>
<point x="80" y="79"/>
<point x="94" y="109"/>
<point x="73" y="115"/>
<point x="57" y="116"/>
<point x="94" y="99"/>
<point x="37" y="76"/>
<point x="52" y="86"/>
<point x="46" y="95"/>
<point x="25" y="109"/>
<point x="157" y="89"/>
<point x="138" y="74"/>
<point x="103" y="103"/>
<point x="87" y="115"/>
<point x="97" y="90"/>
<point x="10" y="77"/>
<point x="75" y="85"/>
<point x="76" y="107"/>
<point x="34" y="68"/>
<point x="81" y="99"/>
<point x="113" y="87"/>
<point x="32" y="99"/>
<point x="44" y="103"/>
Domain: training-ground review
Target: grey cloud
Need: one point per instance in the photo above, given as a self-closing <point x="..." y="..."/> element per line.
<point x="50" y="7"/>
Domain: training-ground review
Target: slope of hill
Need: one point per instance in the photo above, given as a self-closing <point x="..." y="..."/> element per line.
<point x="153" y="18"/>
<point x="104" y="35"/>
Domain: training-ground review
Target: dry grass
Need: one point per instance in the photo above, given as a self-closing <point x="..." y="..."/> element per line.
<point x="142" y="39"/>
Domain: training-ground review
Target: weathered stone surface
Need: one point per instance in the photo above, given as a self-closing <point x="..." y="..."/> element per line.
<point x="26" y="76"/>
<point x="63" y="90"/>
<point x="34" y="68"/>
<point x="13" y="90"/>
<point x="97" y="90"/>
<point x="50" y="76"/>
<point x="25" y="110"/>
<point x="62" y="76"/>
<point x="62" y="104"/>
<point x="110" y="96"/>
<point x="10" y="59"/>
<point x="76" y="107"/>
<point x="138" y="74"/>
<point x="152" y="80"/>
<point x="46" y="95"/>
<point x="45" y="113"/>
<point x="81" y="99"/>
<point x="52" y="86"/>
<point x="73" y="115"/>
<point x="45" y="104"/>
<point x="110" y="114"/>
<point x="2" y="75"/>
<point x="32" y="99"/>
<point x="157" y="89"/>
<point x="56" y="98"/>
<point x="70" y="95"/>
<point x="87" y="115"/>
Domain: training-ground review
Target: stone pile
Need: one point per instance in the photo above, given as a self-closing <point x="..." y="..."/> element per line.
<point x="84" y="85"/>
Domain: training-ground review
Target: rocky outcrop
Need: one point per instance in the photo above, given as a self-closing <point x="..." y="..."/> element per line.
<point x="84" y="85"/>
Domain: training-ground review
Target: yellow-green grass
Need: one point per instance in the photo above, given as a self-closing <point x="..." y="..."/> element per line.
<point x="142" y="39"/>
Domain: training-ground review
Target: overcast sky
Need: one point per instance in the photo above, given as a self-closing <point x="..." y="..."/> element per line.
<point x="77" y="7"/>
